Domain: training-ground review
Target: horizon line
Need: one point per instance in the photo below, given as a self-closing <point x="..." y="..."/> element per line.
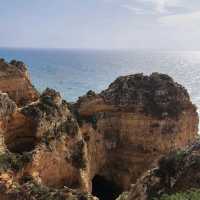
<point x="93" y="49"/>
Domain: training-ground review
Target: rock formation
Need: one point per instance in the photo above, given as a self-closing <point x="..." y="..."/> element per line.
<point x="176" y="173"/>
<point x="42" y="151"/>
<point x="14" y="80"/>
<point x="133" y="123"/>
<point x="101" y="144"/>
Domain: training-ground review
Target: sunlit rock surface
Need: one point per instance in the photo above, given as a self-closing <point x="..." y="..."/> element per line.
<point x="14" y="80"/>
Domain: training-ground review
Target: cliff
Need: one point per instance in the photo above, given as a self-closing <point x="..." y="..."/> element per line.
<point x="42" y="151"/>
<point x="14" y="80"/>
<point x="101" y="144"/>
<point x="133" y="123"/>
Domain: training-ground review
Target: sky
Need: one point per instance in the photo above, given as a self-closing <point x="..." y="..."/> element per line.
<point x="101" y="24"/>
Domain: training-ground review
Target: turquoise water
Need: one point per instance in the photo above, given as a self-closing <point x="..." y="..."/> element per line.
<point x="74" y="72"/>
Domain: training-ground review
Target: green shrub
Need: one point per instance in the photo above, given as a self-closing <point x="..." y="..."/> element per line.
<point x="32" y="190"/>
<point x="189" y="195"/>
<point x="14" y="161"/>
<point x="77" y="157"/>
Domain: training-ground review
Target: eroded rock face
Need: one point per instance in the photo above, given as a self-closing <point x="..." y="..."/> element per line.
<point x="15" y="81"/>
<point x="105" y="140"/>
<point x="43" y="146"/>
<point x="54" y="161"/>
<point x="28" y="189"/>
<point x="7" y="106"/>
<point x="133" y="123"/>
<point x="156" y="95"/>
<point x="176" y="172"/>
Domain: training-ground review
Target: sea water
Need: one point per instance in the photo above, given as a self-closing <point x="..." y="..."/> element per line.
<point x="74" y="72"/>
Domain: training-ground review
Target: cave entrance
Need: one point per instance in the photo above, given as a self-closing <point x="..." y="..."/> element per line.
<point x="105" y="189"/>
<point x="21" y="145"/>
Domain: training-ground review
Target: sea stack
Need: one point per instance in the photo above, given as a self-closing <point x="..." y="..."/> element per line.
<point x="73" y="150"/>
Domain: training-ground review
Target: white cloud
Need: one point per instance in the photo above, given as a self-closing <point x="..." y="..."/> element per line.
<point x="152" y="6"/>
<point x="183" y="20"/>
<point x="162" y="6"/>
<point x="137" y="11"/>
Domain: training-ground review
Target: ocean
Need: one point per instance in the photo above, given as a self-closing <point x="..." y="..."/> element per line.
<point x="74" y="72"/>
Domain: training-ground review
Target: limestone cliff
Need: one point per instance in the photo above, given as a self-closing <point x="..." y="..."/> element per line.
<point x="14" y="80"/>
<point x="42" y="152"/>
<point x="130" y="125"/>
<point x="100" y="144"/>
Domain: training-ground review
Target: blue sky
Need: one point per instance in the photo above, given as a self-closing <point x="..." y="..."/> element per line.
<point x="146" y="24"/>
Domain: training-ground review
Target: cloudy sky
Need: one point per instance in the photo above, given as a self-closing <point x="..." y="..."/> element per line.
<point x="146" y="24"/>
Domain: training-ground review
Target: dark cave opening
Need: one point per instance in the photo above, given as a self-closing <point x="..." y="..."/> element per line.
<point x="21" y="144"/>
<point x="105" y="189"/>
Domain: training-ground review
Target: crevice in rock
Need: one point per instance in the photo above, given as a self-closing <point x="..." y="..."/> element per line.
<point x="21" y="144"/>
<point x="105" y="189"/>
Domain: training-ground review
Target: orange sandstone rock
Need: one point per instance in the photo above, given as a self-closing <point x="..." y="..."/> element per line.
<point x="15" y="81"/>
<point x="133" y="123"/>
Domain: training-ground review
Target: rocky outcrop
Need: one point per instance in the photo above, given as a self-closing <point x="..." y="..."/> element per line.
<point x="176" y="173"/>
<point x="156" y="95"/>
<point x="44" y="149"/>
<point x="28" y="189"/>
<point x="130" y="125"/>
<point x="105" y="140"/>
<point x="15" y="81"/>
<point x="7" y="106"/>
<point x="57" y="134"/>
